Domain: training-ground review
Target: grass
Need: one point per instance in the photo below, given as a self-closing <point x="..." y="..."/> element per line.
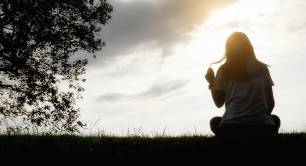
<point x="129" y="149"/>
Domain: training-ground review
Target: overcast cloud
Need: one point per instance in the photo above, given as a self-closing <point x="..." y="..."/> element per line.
<point x="157" y="25"/>
<point x="159" y="89"/>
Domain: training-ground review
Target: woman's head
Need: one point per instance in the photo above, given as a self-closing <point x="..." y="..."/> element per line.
<point x="239" y="51"/>
<point x="238" y="48"/>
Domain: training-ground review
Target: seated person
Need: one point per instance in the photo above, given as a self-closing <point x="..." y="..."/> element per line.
<point x="244" y="85"/>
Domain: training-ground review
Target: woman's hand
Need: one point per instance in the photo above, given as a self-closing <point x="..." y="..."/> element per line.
<point x="210" y="76"/>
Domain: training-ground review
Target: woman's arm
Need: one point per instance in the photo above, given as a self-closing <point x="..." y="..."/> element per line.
<point x="269" y="90"/>
<point x="218" y="97"/>
<point x="270" y="99"/>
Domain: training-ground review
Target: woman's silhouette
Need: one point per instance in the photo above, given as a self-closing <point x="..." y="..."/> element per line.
<point x="244" y="85"/>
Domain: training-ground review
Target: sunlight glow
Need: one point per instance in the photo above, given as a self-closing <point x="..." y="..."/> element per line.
<point x="244" y="15"/>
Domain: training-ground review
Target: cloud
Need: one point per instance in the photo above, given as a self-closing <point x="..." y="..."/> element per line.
<point x="156" y="25"/>
<point x="163" y="88"/>
<point x="158" y="89"/>
<point x="110" y="97"/>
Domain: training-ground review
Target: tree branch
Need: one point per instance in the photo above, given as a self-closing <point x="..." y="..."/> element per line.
<point x="9" y="70"/>
<point x="4" y="86"/>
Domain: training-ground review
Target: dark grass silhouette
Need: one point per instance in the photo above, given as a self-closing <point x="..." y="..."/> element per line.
<point x="188" y="149"/>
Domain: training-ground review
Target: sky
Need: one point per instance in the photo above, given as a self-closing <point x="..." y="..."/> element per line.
<point x="149" y="79"/>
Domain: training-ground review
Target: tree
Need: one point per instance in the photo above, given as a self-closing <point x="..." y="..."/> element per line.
<point x="39" y="81"/>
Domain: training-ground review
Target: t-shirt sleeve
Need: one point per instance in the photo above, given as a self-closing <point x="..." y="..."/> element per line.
<point x="268" y="78"/>
<point x="219" y="83"/>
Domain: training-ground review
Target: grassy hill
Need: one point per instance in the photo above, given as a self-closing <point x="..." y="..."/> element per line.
<point x="123" y="149"/>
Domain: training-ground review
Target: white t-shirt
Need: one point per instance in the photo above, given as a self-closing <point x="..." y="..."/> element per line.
<point x="245" y="101"/>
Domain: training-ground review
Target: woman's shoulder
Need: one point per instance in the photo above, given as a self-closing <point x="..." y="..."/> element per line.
<point x="257" y="68"/>
<point x="263" y="66"/>
<point x="221" y="68"/>
<point x="220" y="72"/>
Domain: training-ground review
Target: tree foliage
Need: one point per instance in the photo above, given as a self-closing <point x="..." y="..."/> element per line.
<point x="39" y="81"/>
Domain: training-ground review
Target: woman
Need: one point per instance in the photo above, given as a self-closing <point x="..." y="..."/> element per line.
<point x="244" y="85"/>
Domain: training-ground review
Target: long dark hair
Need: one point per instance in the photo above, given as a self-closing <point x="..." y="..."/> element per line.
<point x="239" y="51"/>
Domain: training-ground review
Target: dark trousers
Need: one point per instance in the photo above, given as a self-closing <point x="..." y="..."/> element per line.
<point x="235" y="130"/>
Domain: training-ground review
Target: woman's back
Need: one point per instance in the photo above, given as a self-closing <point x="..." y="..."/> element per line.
<point x="246" y="101"/>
